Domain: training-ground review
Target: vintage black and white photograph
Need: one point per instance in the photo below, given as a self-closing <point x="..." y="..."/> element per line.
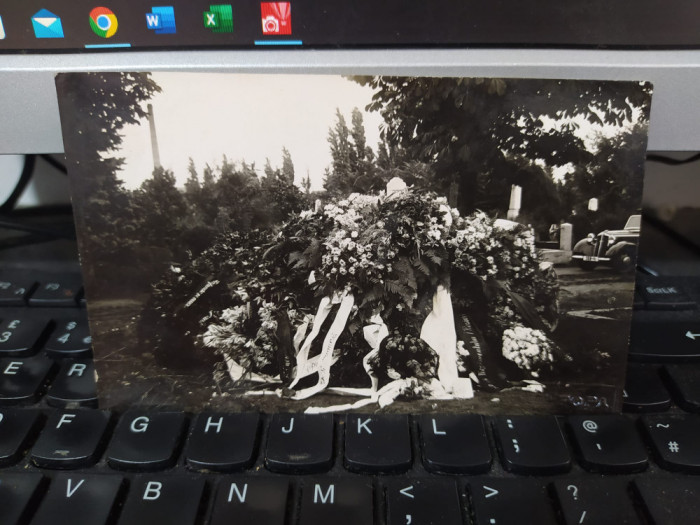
<point x="319" y="243"/>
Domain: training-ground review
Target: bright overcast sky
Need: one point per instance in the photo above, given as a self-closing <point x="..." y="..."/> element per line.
<point x="245" y="117"/>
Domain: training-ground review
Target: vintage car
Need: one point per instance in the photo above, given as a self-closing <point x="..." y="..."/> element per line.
<point x="615" y="247"/>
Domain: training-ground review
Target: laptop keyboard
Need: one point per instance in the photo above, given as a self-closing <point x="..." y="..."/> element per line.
<point x="62" y="460"/>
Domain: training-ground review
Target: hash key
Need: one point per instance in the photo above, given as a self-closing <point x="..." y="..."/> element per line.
<point x="532" y="445"/>
<point x="19" y="337"/>
<point x="675" y="442"/>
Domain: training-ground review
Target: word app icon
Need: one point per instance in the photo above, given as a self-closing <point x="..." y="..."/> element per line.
<point x="2" y="30"/>
<point x="47" y="25"/>
<point x="103" y="22"/>
<point x="162" y="20"/>
<point x="276" y="18"/>
<point x="219" y="18"/>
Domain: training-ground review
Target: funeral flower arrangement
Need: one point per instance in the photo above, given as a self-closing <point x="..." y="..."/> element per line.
<point x="397" y="287"/>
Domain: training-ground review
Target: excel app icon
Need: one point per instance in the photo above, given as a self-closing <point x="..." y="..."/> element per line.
<point x="219" y="18"/>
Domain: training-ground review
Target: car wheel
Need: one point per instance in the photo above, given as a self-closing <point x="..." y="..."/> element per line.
<point x="623" y="262"/>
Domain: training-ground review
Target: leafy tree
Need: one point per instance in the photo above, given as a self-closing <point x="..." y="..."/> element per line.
<point x="471" y="130"/>
<point x="287" y="172"/>
<point x="95" y="108"/>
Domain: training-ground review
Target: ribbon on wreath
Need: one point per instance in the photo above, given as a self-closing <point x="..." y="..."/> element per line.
<point x="322" y="362"/>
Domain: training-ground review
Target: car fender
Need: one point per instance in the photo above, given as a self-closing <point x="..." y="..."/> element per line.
<point x="583" y="247"/>
<point x="620" y="247"/>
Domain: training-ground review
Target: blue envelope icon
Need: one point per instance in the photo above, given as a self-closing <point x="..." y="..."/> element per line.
<point x="47" y="25"/>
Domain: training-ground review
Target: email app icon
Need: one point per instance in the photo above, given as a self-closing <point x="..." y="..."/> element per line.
<point x="47" y="25"/>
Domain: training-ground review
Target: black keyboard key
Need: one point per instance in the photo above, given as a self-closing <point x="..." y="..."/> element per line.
<point x="675" y="441"/>
<point x="299" y="443"/>
<point x="146" y="440"/>
<point x="222" y="442"/>
<point x="662" y="294"/>
<point x="70" y="338"/>
<point x="20" y="337"/>
<point x="670" y="501"/>
<point x="16" y="429"/>
<point x="22" y="380"/>
<point x="426" y="502"/>
<point x="19" y="494"/>
<point x="665" y="341"/>
<point x="251" y="501"/>
<point x="14" y="292"/>
<point x="342" y="501"/>
<point x="59" y="292"/>
<point x="82" y="499"/>
<point x="644" y="390"/>
<point x="455" y="443"/>
<point x="70" y="439"/>
<point x="532" y="445"/>
<point x="510" y="502"/>
<point x="684" y="382"/>
<point x="380" y="443"/>
<point x="171" y="500"/>
<point x="74" y="385"/>
<point x="608" y="443"/>
<point x="595" y="501"/>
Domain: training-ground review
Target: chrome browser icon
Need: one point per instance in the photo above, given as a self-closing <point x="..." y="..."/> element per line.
<point x="47" y="25"/>
<point x="103" y="22"/>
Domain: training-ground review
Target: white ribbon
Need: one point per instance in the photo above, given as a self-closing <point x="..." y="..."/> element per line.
<point x="439" y="332"/>
<point x="322" y="362"/>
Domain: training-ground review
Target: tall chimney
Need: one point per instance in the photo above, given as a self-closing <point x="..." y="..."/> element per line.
<point x="154" y="138"/>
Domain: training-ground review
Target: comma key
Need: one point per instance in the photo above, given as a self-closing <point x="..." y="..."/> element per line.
<point x="423" y="502"/>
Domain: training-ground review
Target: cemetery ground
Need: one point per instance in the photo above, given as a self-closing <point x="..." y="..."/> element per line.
<point x="598" y="299"/>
